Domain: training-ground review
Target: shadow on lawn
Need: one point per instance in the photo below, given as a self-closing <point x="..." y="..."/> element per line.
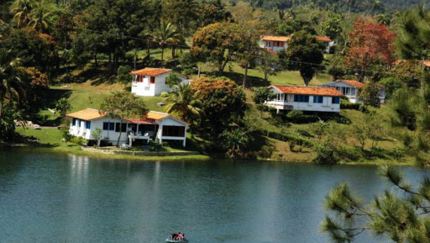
<point x="252" y="81"/>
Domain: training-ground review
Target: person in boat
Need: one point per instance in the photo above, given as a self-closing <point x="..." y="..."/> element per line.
<point x="180" y="236"/>
<point x="173" y="236"/>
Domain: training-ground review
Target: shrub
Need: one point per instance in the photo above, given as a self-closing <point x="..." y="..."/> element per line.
<point x="164" y="94"/>
<point x="298" y="117"/>
<point x="79" y="140"/>
<point x="325" y="154"/>
<point x="345" y="104"/>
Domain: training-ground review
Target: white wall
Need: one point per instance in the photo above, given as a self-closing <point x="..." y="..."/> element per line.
<point x="111" y="136"/>
<point x="145" y="88"/>
<point x="280" y="104"/>
<point x="269" y="45"/>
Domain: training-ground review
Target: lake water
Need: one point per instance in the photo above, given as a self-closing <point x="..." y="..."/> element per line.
<point x="68" y="198"/>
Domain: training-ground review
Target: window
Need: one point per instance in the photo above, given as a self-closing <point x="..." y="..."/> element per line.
<point x="79" y="122"/>
<point x="335" y="100"/>
<point x="281" y="44"/>
<point x="152" y="80"/>
<point x="74" y="122"/>
<point x="88" y="124"/>
<point x="318" y="99"/>
<point x="108" y="126"/>
<point x="123" y="127"/>
<point x="301" y="98"/>
<point x="173" y="131"/>
<point x="139" y="78"/>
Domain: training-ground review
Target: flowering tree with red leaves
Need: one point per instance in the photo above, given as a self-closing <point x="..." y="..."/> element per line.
<point x="371" y="45"/>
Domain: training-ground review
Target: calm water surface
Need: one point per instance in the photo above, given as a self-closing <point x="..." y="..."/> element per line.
<point x="68" y="198"/>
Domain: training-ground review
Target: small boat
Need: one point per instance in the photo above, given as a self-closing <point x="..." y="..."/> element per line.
<point x="176" y="241"/>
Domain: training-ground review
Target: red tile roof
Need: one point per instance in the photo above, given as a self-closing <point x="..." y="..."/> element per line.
<point x="306" y="90"/>
<point x="352" y="82"/>
<point x="87" y="114"/>
<point x="150" y="72"/>
<point x="323" y="38"/>
<point x="274" y="38"/>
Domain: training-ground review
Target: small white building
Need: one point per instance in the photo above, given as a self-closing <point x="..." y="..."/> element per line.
<point x="274" y="43"/>
<point x="305" y="98"/>
<point x="351" y="89"/>
<point x="151" y="81"/>
<point x="156" y="126"/>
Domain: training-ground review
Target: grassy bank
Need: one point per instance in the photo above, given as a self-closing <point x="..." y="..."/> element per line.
<point x="49" y="140"/>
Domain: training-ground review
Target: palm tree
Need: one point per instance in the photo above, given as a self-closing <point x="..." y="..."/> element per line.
<point x="11" y="75"/>
<point x="384" y="19"/>
<point x="166" y="34"/>
<point x="184" y="102"/>
<point x="40" y="17"/>
<point x="21" y="10"/>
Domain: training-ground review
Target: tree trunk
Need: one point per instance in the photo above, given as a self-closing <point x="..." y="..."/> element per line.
<point x="135" y="59"/>
<point x="1" y="103"/>
<point x="221" y="67"/>
<point x="265" y="78"/>
<point x="245" y="76"/>
<point x="162" y="54"/>
<point x="173" y="52"/>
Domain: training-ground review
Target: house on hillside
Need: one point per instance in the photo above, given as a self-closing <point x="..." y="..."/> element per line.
<point x="151" y="81"/>
<point x="305" y="98"/>
<point x="274" y="44"/>
<point x="156" y="126"/>
<point x="351" y="89"/>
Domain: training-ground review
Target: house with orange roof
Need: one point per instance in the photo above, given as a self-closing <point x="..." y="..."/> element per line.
<point x="305" y="98"/>
<point x="351" y="89"/>
<point x="151" y="81"/>
<point x="156" y="126"/>
<point x="274" y="43"/>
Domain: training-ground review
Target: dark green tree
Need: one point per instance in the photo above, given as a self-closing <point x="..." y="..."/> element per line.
<point x="122" y="105"/>
<point x="305" y="55"/>
<point x="369" y="94"/>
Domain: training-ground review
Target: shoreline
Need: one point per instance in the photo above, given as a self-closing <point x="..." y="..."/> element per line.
<point x="77" y="150"/>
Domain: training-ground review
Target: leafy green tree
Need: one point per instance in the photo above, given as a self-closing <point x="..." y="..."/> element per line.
<point x="399" y="217"/>
<point x="173" y="80"/>
<point x="187" y="62"/>
<point x="369" y="94"/>
<point x="268" y="65"/>
<point x="63" y="106"/>
<point x="305" y="54"/>
<point x="235" y="141"/>
<point x="7" y="122"/>
<point x="181" y="13"/>
<point x="124" y="77"/>
<point x="216" y="43"/>
<point x="212" y="11"/>
<point x="332" y="27"/>
<point x="183" y="101"/>
<point x="33" y="48"/>
<point x="223" y="104"/>
<point x="122" y="105"/>
<point x="261" y="95"/>
<point x="97" y="135"/>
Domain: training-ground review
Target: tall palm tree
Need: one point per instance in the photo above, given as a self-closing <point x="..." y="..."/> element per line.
<point x="166" y="34"/>
<point x="11" y="75"/>
<point x="40" y="17"/>
<point x="21" y="10"/>
<point x="184" y="102"/>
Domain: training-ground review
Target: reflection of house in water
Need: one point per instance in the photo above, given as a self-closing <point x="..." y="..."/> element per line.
<point x="157" y="126"/>
<point x="78" y="168"/>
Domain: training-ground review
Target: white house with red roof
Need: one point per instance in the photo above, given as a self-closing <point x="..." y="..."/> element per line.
<point x="351" y="89"/>
<point x="274" y="44"/>
<point x="305" y="98"/>
<point x="151" y="81"/>
<point x="156" y="126"/>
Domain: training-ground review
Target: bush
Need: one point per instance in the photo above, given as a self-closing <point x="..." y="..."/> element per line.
<point x="79" y="140"/>
<point x="296" y="116"/>
<point x="164" y="94"/>
<point x="345" y="104"/>
<point x="284" y="137"/>
<point x="325" y="154"/>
